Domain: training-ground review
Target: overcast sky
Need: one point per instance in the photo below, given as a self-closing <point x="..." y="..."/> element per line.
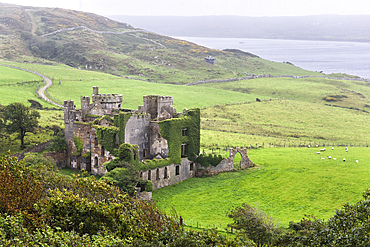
<point x="207" y="7"/>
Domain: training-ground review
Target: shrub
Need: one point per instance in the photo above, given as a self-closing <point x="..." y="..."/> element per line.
<point x="205" y="160"/>
<point x="125" y="177"/>
<point x="19" y="190"/>
<point x="254" y="223"/>
<point x="58" y="143"/>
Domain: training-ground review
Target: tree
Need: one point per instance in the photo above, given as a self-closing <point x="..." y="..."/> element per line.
<point x="254" y="223"/>
<point x="20" y="118"/>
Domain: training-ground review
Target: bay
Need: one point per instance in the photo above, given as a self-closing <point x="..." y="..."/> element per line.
<point x="327" y="56"/>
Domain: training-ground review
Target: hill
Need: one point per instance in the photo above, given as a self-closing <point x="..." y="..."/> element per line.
<point x="91" y="42"/>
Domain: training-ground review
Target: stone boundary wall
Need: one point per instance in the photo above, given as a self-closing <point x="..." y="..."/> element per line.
<point x="35" y="149"/>
<point x="253" y="76"/>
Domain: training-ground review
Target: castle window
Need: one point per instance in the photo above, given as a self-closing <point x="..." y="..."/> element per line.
<point x="165" y="172"/>
<point x="141" y="175"/>
<point x="157" y="174"/>
<point x="177" y="171"/>
<point x="184" y="132"/>
<point x="102" y="151"/>
<point x="96" y="142"/>
<point x="96" y="163"/>
<point x="191" y="166"/>
<point x="145" y="153"/>
<point x="184" y="150"/>
<point x="149" y="175"/>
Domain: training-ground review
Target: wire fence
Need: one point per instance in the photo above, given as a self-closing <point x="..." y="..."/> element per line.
<point x="218" y="150"/>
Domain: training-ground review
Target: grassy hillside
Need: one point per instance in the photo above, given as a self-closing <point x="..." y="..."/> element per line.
<point x="91" y="42"/>
<point x="282" y="121"/>
<point x="287" y="183"/>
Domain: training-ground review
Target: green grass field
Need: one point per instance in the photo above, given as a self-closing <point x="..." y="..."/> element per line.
<point x="282" y="121"/>
<point x="287" y="183"/>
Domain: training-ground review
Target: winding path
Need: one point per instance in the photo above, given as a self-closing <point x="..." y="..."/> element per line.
<point x="42" y="90"/>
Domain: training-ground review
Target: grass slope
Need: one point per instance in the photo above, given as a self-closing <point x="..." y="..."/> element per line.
<point x="76" y="83"/>
<point x="288" y="183"/>
<point x="282" y="121"/>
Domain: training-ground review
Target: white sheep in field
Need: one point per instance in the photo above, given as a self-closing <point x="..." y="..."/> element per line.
<point x="309" y="146"/>
<point x="322" y="150"/>
<point x="344" y="159"/>
<point x="332" y="148"/>
<point x="334" y="158"/>
<point x="322" y="158"/>
<point x="346" y="149"/>
<point x="318" y="153"/>
<point x="329" y="157"/>
<point x="356" y="161"/>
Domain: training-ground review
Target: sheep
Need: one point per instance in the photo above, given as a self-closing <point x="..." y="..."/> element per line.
<point x="332" y="148"/>
<point x="318" y="153"/>
<point x="346" y="149"/>
<point x="329" y="157"/>
<point x="334" y="158"/>
<point x="322" y="158"/>
<point x="309" y="146"/>
<point x="344" y="159"/>
<point x="322" y="150"/>
<point x="356" y="161"/>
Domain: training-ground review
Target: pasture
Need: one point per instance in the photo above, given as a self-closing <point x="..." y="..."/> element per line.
<point x="281" y="122"/>
<point x="287" y="183"/>
<point x="76" y="83"/>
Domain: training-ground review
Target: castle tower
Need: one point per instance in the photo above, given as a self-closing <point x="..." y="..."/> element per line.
<point x="159" y="107"/>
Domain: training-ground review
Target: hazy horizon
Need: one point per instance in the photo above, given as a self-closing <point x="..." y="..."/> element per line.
<point x="252" y="8"/>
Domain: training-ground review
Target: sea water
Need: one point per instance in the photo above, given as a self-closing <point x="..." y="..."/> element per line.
<point x="327" y="56"/>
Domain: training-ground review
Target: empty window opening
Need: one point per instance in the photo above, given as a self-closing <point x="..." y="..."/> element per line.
<point x="96" y="162"/>
<point x="141" y="175"/>
<point x="145" y="153"/>
<point x="177" y="172"/>
<point x="191" y="166"/>
<point x="184" y="132"/>
<point x="237" y="160"/>
<point x="165" y="172"/>
<point x="117" y="141"/>
<point x="149" y="175"/>
<point x="157" y="174"/>
<point x="96" y="142"/>
<point x="184" y="150"/>
<point x="102" y="151"/>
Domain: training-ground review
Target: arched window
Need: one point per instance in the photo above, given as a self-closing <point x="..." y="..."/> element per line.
<point x="96" y="162"/>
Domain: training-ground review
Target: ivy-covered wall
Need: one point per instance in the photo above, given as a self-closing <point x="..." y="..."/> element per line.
<point x="172" y="131"/>
<point x="107" y="138"/>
